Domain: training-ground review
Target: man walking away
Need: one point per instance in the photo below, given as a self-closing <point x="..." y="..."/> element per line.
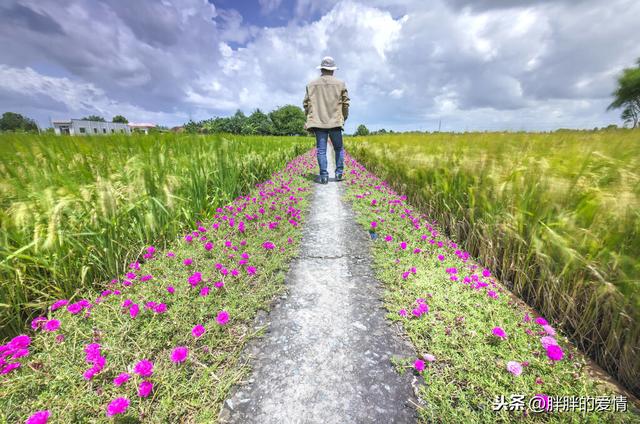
<point x="326" y="105"/>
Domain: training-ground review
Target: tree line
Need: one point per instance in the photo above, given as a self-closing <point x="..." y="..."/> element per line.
<point x="285" y="120"/>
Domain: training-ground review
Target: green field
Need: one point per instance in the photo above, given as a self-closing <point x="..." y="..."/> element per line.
<point x="75" y="211"/>
<point x="557" y="216"/>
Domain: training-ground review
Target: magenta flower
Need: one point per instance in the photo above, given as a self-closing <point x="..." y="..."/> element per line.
<point x="542" y="402"/>
<point x="486" y="273"/>
<point x="541" y="321"/>
<point x="58" y="304"/>
<point x="74" y="308"/>
<point x="402" y="312"/>
<point x="268" y="245"/>
<point x="145" y="388"/>
<point x="121" y="379"/>
<point x="403" y="245"/>
<point x="92" y="352"/>
<point x="52" y="325"/>
<point x="40" y="417"/>
<point x="179" y="354"/>
<point x="374" y="224"/>
<point x="134" y="309"/>
<point x="514" y="368"/>
<point x="160" y="308"/>
<point x="187" y="261"/>
<point x="37" y="322"/>
<point x="251" y="270"/>
<point x="499" y="332"/>
<point x="554" y="352"/>
<point x="20" y="342"/>
<point x="223" y="317"/>
<point x="208" y="246"/>
<point x="198" y="330"/>
<point x="143" y="368"/>
<point x="195" y="279"/>
<point x="204" y="291"/>
<point x="117" y="406"/>
<point x="171" y="289"/>
<point x="419" y="365"/>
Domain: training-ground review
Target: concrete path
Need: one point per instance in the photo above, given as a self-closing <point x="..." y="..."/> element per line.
<point x="326" y="355"/>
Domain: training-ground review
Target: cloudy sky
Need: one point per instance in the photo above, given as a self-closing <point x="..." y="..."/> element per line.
<point x="408" y="64"/>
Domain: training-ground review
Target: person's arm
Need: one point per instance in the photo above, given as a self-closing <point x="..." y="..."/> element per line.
<point x="306" y="102"/>
<point x="345" y="102"/>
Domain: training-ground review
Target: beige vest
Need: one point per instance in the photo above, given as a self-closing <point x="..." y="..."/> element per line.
<point x="326" y="103"/>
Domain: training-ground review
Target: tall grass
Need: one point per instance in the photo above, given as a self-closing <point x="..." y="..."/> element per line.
<point x="556" y="215"/>
<point x="74" y="211"/>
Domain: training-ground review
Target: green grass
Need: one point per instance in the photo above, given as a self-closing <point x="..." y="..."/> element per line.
<point x="469" y="372"/>
<point x="51" y="376"/>
<point x="556" y="216"/>
<point x="75" y="210"/>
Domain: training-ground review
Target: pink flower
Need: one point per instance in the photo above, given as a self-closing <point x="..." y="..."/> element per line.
<point x="486" y="273"/>
<point x="187" y="261"/>
<point x="549" y="330"/>
<point x="208" y="246"/>
<point x="179" y="354"/>
<point x="195" y="278"/>
<point x="134" y="309"/>
<point x="144" y="368"/>
<point x="499" y="332"/>
<point x="402" y="312"/>
<point x="403" y="245"/>
<point x="542" y="402"/>
<point x="20" y="342"/>
<point x="419" y="365"/>
<point x="117" y="406"/>
<point x="548" y="341"/>
<point x="219" y="284"/>
<point x="40" y="417"/>
<point x="58" y="304"/>
<point x="52" y="325"/>
<point x="145" y="388"/>
<point x="74" y="308"/>
<point x="268" y="245"/>
<point x="204" y="291"/>
<point x="171" y="289"/>
<point x="92" y="352"/>
<point x="526" y="317"/>
<point x="37" y="322"/>
<point x="198" y="330"/>
<point x="374" y="224"/>
<point x="160" y="308"/>
<point x="554" y="352"/>
<point x="251" y="270"/>
<point x="514" y="368"/>
<point x="223" y="317"/>
<point x="429" y="357"/>
<point x="121" y="379"/>
<point x="541" y="321"/>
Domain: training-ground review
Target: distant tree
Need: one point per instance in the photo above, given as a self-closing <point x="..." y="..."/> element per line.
<point x="191" y="127"/>
<point x="361" y="130"/>
<point x="627" y="95"/>
<point x="260" y="123"/>
<point x="288" y="120"/>
<point x="121" y="119"/>
<point x="93" y="118"/>
<point x="11" y="121"/>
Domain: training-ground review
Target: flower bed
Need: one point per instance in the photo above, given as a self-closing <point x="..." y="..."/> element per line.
<point x="476" y="342"/>
<point x="161" y="343"/>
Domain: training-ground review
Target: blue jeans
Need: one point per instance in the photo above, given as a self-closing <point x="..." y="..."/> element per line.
<point x="321" y="143"/>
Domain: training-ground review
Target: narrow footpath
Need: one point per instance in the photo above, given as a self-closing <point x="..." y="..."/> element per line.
<point x="326" y="355"/>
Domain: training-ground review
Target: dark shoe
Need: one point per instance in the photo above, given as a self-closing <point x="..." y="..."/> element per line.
<point x="324" y="180"/>
<point x="338" y="177"/>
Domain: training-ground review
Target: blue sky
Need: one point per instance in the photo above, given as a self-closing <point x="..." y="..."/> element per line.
<point x="408" y="64"/>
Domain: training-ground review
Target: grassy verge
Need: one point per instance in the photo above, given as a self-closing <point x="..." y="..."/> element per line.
<point x="76" y="210"/>
<point x="475" y="341"/>
<point x="231" y="264"/>
<point x="555" y="216"/>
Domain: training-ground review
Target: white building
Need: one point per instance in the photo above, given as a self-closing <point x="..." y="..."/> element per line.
<point x="81" y="127"/>
<point x="142" y="127"/>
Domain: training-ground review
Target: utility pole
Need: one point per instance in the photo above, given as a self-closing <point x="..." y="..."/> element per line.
<point x="439" y="124"/>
